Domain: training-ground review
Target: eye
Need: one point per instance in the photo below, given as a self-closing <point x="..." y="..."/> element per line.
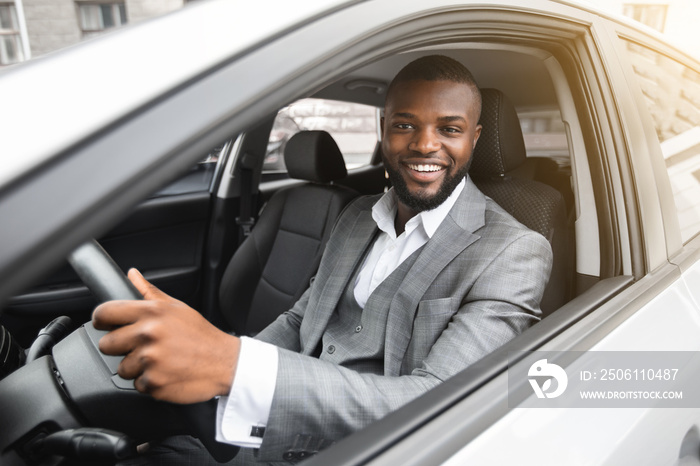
<point x="403" y="126"/>
<point x="451" y="130"/>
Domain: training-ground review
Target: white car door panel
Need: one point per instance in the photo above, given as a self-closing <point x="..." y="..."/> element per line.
<point x="534" y="436"/>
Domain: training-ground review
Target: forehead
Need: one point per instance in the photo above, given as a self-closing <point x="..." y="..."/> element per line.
<point x="420" y="97"/>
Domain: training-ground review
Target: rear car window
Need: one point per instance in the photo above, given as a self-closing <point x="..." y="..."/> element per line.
<point x="353" y="126"/>
<point x="544" y="133"/>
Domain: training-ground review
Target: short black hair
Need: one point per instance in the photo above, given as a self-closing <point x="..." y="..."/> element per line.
<point x="438" y="68"/>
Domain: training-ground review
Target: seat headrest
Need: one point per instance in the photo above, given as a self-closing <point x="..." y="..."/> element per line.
<point x="314" y="156"/>
<point x="500" y="147"/>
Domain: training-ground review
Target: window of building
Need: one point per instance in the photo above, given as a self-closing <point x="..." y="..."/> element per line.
<point x="672" y="93"/>
<point x="10" y="39"/>
<point x="650" y="14"/>
<point x="96" y="17"/>
<point x="353" y="126"/>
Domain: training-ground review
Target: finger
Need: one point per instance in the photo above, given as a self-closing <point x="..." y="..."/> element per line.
<point x="141" y="383"/>
<point x="123" y="340"/>
<point x="147" y="290"/>
<point x="132" y="366"/>
<point x="144" y="383"/>
<point x="113" y="314"/>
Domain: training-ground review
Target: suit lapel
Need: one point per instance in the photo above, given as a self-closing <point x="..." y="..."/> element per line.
<point x="454" y="234"/>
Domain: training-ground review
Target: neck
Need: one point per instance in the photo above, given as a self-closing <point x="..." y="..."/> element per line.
<point x="403" y="215"/>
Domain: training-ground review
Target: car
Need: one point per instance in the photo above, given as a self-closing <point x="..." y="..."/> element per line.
<point x="156" y="147"/>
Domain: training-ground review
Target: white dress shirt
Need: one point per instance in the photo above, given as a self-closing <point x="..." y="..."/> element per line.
<point x="248" y="404"/>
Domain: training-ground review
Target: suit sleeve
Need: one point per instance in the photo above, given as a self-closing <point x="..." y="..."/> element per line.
<point x="325" y="402"/>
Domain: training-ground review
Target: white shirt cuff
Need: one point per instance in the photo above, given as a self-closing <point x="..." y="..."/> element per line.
<point x="248" y="404"/>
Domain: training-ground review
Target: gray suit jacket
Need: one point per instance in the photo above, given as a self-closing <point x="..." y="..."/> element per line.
<point x="476" y="284"/>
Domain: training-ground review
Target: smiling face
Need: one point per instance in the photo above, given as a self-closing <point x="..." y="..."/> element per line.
<point x="429" y="133"/>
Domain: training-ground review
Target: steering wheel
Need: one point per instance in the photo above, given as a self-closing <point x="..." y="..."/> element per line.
<point x="79" y="386"/>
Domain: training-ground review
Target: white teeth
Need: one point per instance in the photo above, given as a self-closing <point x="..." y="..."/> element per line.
<point x="425" y="168"/>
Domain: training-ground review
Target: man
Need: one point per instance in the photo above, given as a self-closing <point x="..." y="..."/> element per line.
<point x="412" y="288"/>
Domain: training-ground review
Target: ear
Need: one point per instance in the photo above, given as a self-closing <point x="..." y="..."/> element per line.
<point x="477" y="133"/>
<point x="381" y="126"/>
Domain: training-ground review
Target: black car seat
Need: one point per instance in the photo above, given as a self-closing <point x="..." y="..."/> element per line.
<point x="273" y="266"/>
<point x="501" y="150"/>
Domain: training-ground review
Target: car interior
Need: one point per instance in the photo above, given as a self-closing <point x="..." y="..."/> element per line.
<point x="184" y="237"/>
<point x="240" y="242"/>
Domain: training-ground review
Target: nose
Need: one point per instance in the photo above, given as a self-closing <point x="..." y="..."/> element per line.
<point x="424" y="142"/>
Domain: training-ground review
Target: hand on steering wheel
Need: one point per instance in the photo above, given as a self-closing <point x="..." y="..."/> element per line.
<point x="172" y="352"/>
<point x="157" y="329"/>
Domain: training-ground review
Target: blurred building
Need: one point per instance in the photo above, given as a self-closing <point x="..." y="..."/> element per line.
<point x="30" y="28"/>
<point x="676" y="19"/>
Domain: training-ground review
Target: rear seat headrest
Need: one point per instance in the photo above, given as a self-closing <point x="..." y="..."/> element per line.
<point x="314" y="156"/>
<point x="500" y="147"/>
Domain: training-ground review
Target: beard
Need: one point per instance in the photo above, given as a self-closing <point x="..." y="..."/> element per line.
<point x="422" y="202"/>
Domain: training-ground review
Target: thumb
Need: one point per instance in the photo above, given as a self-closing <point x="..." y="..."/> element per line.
<point x="148" y="290"/>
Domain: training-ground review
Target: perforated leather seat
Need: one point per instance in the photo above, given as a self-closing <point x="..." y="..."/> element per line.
<point x="499" y="151"/>
<point x="273" y="266"/>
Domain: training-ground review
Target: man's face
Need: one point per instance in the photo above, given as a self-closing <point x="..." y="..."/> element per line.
<point x="429" y="132"/>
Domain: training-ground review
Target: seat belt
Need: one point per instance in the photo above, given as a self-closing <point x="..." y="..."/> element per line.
<point x="245" y="221"/>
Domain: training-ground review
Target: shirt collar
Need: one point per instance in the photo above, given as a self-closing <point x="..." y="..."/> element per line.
<point x="384" y="213"/>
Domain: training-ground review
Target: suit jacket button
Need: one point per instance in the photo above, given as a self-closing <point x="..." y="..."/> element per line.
<point x="358" y="329"/>
<point x="288" y="456"/>
<point x="331" y="349"/>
